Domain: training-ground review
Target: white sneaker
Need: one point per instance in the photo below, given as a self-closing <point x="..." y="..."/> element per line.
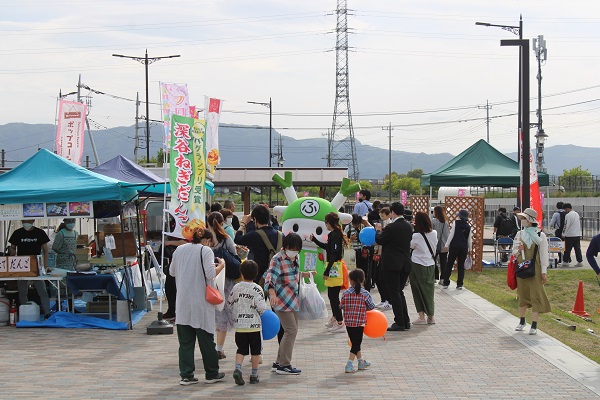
<point x="565" y="264"/>
<point x="380" y="304"/>
<point x="386" y="306"/>
<point x="338" y="328"/>
<point x="533" y="331"/>
<point x="330" y="323"/>
<point x="519" y="327"/>
<point x="579" y="264"/>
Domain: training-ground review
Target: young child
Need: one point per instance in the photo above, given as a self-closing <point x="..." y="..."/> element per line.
<point x="248" y="303"/>
<point x="356" y="301"/>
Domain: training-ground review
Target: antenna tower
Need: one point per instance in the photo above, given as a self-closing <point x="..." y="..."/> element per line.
<point x="341" y="146"/>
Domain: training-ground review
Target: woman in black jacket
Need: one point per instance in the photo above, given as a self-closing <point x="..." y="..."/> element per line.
<point x="335" y="252"/>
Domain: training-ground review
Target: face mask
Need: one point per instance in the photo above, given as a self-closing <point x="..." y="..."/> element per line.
<point x="229" y="221"/>
<point x="70" y="226"/>
<point x="291" y="254"/>
<point x="27" y="226"/>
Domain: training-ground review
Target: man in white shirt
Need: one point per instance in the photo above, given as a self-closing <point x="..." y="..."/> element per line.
<point x="572" y="236"/>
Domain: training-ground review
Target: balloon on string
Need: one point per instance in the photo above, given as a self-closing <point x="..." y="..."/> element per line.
<point x="376" y="325"/>
<point x="270" y="324"/>
<point x="367" y="236"/>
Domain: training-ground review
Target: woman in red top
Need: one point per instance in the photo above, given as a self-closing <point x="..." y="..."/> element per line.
<point x="356" y="301"/>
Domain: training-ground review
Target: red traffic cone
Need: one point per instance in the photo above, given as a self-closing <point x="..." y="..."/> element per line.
<point x="579" y="307"/>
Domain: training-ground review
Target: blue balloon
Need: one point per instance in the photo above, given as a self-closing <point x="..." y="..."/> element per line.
<point x="270" y="324"/>
<point x="367" y="236"/>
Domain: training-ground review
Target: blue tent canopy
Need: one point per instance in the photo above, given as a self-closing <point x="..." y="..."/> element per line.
<point x="139" y="178"/>
<point x="46" y="177"/>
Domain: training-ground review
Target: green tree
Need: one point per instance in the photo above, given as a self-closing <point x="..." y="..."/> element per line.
<point x="158" y="159"/>
<point x="415" y="173"/>
<point x="411" y="182"/>
<point x="576" y="179"/>
<point x="364" y="184"/>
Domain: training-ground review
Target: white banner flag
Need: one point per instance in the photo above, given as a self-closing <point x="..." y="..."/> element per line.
<point x="70" y="130"/>
<point x="213" y="113"/>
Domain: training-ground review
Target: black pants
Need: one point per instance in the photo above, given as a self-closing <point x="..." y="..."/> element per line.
<point x="395" y="282"/>
<point x="572" y="243"/>
<point x="170" y="291"/>
<point x="453" y="255"/>
<point x="381" y="284"/>
<point x="334" y="299"/>
<point x="355" y="334"/>
<point x="365" y="264"/>
<point x="441" y="265"/>
<point x="558" y="234"/>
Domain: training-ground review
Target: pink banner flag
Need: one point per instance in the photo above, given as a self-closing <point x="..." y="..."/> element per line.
<point x="213" y="114"/>
<point x="403" y="197"/>
<point x="70" y="130"/>
<point x="461" y="192"/>
<point x="174" y="100"/>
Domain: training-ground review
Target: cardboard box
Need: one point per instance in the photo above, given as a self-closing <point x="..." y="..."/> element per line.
<point x="18" y="266"/>
<point x="130" y="249"/>
<point x="83" y="239"/>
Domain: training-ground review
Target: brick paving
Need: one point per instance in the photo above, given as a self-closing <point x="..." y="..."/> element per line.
<point x="463" y="356"/>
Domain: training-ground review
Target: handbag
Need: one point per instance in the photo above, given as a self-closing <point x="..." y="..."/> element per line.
<point x="336" y="275"/>
<point x="232" y="262"/>
<point x="511" y="273"/>
<point x="213" y="295"/>
<point x="526" y="269"/>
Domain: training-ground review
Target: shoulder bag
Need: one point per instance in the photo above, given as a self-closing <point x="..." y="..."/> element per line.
<point x="526" y="269"/>
<point x="429" y="247"/>
<point x="213" y="296"/>
<point x="232" y="261"/>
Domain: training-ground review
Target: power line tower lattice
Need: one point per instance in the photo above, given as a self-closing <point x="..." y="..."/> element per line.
<point x="341" y="146"/>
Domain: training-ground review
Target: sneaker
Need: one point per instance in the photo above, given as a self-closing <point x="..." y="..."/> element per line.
<point x="533" y="331"/>
<point x="380" y="304"/>
<point x="254" y="379"/>
<point x="330" y="323"/>
<point x="565" y="264"/>
<point x="441" y="282"/>
<point x="519" y="327"/>
<point x="445" y="287"/>
<point x="274" y="367"/>
<point x="386" y="307"/>
<point x="430" y="321"/>
<point x="579" y="264"/>
<point x="338" y="328"/>
<point x="188" y="381"/>
<point x="220" y="376"/>
<point x="288" y="370"/>
<point x="419" y="322"/>
<point x="363" y="365"/>
<point x="349" y="369"/>
<point x="237" y="377"/>
<point x="459" y="288"/>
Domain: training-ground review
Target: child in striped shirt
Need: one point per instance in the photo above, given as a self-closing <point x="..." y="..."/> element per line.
<point x="355" y="303"/>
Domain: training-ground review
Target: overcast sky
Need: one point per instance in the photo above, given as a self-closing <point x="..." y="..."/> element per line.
<point x="423" y="66"/>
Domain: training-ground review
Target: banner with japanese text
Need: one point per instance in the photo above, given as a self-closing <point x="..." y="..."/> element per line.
<point x="212" y="112"/>
<point x="404" y="197"/>
<point x="70" y="130"/>
<point x="187" y="173"/>
<point x="534" y="186"/>
<point x="174" y="100"/>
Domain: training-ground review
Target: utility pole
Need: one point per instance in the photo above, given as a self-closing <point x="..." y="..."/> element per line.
<point x="487" y="118"/>
<point x="137" y="127"/>
<point x="389" y="129"/>
<point x="3" y="161"/>
<point x="146" y="61"/>
<point x="87" y="123"/>
<point x="541" y="54"/>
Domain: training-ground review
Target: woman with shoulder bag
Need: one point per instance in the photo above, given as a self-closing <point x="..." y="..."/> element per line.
<point x="440" y="225"/>
<point x="424" y="240"/>
<point x="531" y="244"/>
<point x="223" y="318"/>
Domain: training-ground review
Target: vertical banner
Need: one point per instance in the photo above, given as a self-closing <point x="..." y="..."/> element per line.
<point x="535" y="200"/>
<point x="404" y="197"/>
<point x="70" y="130"/>
<point x="461" y="192"/>
<point x="174" y="100"/>
<point x="212" y="113"/>
<point x="187" y="173"/>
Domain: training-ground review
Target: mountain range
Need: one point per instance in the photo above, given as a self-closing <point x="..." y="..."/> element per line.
<point x="246" y="146"/>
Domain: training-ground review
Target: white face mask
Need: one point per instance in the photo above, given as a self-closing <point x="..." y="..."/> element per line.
<point x="291" y="254"/>
<point x="27" y="226"/>
<point x="229" y="221"/>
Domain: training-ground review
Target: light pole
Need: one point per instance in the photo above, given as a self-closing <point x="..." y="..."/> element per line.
<point x="517" y="30"/>
<point x="541" y="54"/>
<point x="146" y="61"/>
<point x="524" y="84"/>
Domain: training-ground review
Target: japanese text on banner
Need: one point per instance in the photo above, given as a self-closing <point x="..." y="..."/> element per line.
<point x="70" y="130"/>
<point x="174" y="100"/>
<point x="187" y="173"/>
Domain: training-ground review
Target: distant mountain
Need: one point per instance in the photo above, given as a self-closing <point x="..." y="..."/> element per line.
<point x="247" y="146"/>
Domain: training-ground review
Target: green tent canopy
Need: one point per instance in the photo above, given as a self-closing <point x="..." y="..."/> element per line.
<point x="479" y="165"/>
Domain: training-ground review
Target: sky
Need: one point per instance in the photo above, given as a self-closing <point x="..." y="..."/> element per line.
<point x="422" y="67"/>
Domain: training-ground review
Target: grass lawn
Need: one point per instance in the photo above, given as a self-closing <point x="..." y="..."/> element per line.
<point x="561" y="289"/>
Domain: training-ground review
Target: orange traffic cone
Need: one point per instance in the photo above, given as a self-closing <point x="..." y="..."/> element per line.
<point x="579" y="307"/>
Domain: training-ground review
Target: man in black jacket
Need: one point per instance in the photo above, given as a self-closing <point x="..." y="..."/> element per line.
<point x="395" y="263"/>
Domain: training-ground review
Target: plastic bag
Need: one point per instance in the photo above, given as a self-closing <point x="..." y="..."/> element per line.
<point x="312" y="305"/>
<point x="468" y="263"/>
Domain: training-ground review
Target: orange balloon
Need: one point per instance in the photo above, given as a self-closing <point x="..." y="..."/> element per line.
<point x="376" y="325"/>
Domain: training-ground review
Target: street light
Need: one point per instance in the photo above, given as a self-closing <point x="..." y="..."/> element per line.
<point x="541" y="54"/>
<point x="146" y="61"/>
<point x="269" y="106"/>
<point x="525" y="126"/>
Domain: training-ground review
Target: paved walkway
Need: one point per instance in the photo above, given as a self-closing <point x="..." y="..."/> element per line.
<point x="472" y="353"/>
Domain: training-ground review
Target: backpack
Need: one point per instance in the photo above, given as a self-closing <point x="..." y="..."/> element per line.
<point x="268" y="244"/>
<point x="506" y="226"/>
